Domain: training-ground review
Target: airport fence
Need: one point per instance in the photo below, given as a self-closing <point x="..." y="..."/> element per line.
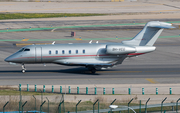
<point x="40" y="103"/>
<point x="49" y="101"/>
<point x="100" y="90"/>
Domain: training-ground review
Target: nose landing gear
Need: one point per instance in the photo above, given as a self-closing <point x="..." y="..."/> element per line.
<point x="23" y="68"/>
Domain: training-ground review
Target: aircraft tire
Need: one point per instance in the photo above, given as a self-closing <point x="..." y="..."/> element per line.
<point x="23" y="71"/>
<point x="93" y="71"/>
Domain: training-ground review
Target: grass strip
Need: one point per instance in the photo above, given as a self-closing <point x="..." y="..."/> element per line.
<point x="4" y="16"/>
<point x="15" y="92"/>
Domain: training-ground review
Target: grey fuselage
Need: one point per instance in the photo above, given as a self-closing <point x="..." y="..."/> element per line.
<point x="76" y="54"/>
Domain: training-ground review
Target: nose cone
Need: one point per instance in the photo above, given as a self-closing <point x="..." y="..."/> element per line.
<point x="8" y="59"/>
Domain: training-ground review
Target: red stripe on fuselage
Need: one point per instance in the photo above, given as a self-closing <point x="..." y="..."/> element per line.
<point x="63" y="56"/>
<point x="74" y="56"/>
<point x="136" y="53"/>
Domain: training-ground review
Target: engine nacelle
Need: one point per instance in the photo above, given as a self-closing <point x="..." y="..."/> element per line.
<point x="119" y="49"/>
<point x="145" y="49"/>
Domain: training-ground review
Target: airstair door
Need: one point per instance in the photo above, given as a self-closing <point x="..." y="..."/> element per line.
<point x="38" y="54"/>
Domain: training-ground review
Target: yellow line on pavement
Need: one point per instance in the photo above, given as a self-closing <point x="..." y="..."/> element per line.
<point x="78" y="38"/>
<point x="151" y="80"/>
<point x="25" y="39"/>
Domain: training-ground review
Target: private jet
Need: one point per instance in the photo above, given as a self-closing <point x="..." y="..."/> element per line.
<point x="93" y="56"/>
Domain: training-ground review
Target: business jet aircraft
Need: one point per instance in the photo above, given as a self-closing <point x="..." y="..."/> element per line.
<point x="91" y="55"/>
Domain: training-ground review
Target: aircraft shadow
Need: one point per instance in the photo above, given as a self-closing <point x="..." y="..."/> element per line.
<point x="78" y="70"/>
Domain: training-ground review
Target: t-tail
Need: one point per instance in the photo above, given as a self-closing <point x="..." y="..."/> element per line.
<point x="149" y="34"/>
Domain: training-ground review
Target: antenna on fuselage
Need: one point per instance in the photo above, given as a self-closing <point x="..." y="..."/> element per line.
<point x="53" y="43"/>
<point x="90" y="42"/>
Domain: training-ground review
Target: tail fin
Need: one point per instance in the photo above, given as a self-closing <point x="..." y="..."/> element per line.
<point x="149" y="34"/>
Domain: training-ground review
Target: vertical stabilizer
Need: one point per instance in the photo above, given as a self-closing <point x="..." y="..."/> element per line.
<point x="149" y="34"/>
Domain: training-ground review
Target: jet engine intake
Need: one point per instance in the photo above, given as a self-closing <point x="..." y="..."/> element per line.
<point x="119" y="49"/>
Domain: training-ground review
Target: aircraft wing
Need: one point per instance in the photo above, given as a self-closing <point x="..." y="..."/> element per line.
<point x="70" y="63"/>
<point x="91" y="64"/>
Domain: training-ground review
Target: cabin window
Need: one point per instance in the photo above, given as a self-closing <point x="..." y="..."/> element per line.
<point x="50" y="52"/>
<point x="56" y="51"/>
<point x="63" y="51"/>
<point x="69" y="51"/>
<point x="26" y="49"/>
<point x="83" y="51"/>
<point x="76" y="51"/>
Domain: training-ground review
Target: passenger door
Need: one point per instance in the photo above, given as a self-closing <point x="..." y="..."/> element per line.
<point x="38" y="54"/>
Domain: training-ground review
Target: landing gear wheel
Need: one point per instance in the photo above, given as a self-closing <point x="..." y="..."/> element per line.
<point x="23" y="71"/>
<point x="93" y="71"/>
<point x="23" y="68"/>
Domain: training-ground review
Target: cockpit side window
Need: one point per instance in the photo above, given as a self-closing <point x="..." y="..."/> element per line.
<point x="26" y="49"/>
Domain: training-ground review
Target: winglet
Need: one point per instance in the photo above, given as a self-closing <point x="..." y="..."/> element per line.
<point x="162" y="25"/>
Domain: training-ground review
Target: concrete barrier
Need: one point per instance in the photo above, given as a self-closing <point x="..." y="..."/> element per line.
<point x="122" y="89"/>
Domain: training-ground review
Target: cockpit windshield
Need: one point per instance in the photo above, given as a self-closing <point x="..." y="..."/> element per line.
<point x="24" y="49"/>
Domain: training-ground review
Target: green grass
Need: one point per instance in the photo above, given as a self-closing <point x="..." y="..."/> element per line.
<point x="15" y="92"/>
<point x="4" y="16"/>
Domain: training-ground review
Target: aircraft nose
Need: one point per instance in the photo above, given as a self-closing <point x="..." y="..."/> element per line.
<point x="8" y="59"/>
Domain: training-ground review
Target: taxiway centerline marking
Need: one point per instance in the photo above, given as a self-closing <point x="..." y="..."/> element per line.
<point x="25" y="39"/>
<point x="151" y="80"/>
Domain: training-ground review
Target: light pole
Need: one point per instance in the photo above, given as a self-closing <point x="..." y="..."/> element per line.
<point x="48" y="104"/>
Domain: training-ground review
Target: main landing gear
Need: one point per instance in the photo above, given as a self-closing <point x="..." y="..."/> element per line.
<point x="23" y="68"/>
<point x="92" y="69"/>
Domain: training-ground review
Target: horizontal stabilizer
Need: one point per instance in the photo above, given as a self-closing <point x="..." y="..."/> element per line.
<point x="161" y="25"/>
